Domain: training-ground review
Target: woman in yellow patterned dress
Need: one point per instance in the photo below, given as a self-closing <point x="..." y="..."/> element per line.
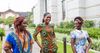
<point x="46" y="31"/>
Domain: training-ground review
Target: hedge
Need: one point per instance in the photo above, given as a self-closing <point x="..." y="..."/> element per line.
<point x="93" y="32"/>
<point x="95" y="45"/>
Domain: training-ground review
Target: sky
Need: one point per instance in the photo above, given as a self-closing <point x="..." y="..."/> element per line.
<point x="17" y="5"/>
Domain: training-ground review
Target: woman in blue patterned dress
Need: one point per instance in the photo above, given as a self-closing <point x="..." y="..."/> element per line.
<point x="19" y="41"/>
<point x="79" y="38"/>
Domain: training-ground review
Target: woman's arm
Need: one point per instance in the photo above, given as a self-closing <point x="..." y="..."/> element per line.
<point x="53" y="35"/>
<point x="72" y="45"/>
<point x="38" y="29"/>
<point x="89" y="45"/>
<point x="7" y="47"/>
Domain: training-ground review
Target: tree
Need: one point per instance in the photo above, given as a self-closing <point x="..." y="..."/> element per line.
<point x="1" y="20"/>
<point x="9" y="21"/>
<point x="29" y="17"/>
<point x="2" y="33"/>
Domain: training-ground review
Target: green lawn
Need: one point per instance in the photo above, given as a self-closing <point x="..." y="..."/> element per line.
<point x="60" y="48"/>
<point x="0" y="46"/>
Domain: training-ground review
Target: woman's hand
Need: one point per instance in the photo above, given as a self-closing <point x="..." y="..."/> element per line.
<point x="89" y="45"/>
<point x="7" y="50"/>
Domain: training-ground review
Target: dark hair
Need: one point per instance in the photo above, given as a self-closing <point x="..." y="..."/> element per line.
<point x="45" y="14"/>
<point x="79" y="18"/>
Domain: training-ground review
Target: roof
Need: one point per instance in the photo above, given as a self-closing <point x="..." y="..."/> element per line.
<point x="20" y="13"/>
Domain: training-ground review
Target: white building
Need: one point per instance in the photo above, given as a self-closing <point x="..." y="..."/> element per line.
<point x="52" y="6"/>
<point x="88" y="9"/>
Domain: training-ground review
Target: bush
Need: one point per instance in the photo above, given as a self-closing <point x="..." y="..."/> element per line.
<point x="95" y="45"/>
<point x="66" y="25"/>
<point x="93" y="32"/>
<point x="1" y="20"/>
<point x="88" y="24"/>
<point x="9" y="20"/>
<point x="64" y="30"/>
<point x="2" y="33"/>
<point x="32" y="25"/>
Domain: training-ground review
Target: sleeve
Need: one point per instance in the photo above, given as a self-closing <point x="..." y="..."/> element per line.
<point x="87" y="36"/>
<point x="31" y="39"/>
<point x="8" y="42"/>
<point x="72" y="35"/>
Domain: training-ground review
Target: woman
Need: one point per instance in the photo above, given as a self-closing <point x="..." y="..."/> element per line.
<point x="19" y="41"/>
<point x="46" y="31"/>
<point x="79" y="38"/>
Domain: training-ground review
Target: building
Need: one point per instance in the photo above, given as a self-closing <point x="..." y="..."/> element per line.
<point x="52" y="6"/>
<point x="88" y="9"/>
<point x="67" y="10"/>
<point x="12" y="13"/>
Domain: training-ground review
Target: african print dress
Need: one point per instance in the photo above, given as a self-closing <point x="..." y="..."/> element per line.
<point x="13" y="42"/>
<point x="47" y="38"/>
<point x="80" y="37"/>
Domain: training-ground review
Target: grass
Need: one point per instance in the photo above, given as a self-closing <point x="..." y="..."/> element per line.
<point x="60" y="48"/>
<point x="0" y="46"/>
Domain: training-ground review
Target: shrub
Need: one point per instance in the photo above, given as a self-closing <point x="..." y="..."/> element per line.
<point x="1" y="20"/>
<point x="66" y="25"/>
<point x="2" y="33"/>
<point x="9" y="20"/>
<point x="93" y="32"/>
<point x="95" y="45"/>
<point x="88" y="24"/>
<point x="64" y="30"/>
<point x="32" y="25"/>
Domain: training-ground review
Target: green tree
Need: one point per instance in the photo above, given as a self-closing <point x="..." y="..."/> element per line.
<point x="29" y="19"/>
<point x="1" y="20"/>
<point x="88" y="24"/>
<point x="2" y="33"/>
<point x="9" y="21"/>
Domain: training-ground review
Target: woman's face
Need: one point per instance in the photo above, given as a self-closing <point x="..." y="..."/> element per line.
<point x="23" y="25"/>
<point x="77" y="23"/>
<point x="47" y="18"/>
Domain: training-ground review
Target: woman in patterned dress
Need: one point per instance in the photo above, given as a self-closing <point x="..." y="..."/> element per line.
<point x="46" y="31"/>
<point x="79" y="38"/>
<point x="19" y="41"/>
